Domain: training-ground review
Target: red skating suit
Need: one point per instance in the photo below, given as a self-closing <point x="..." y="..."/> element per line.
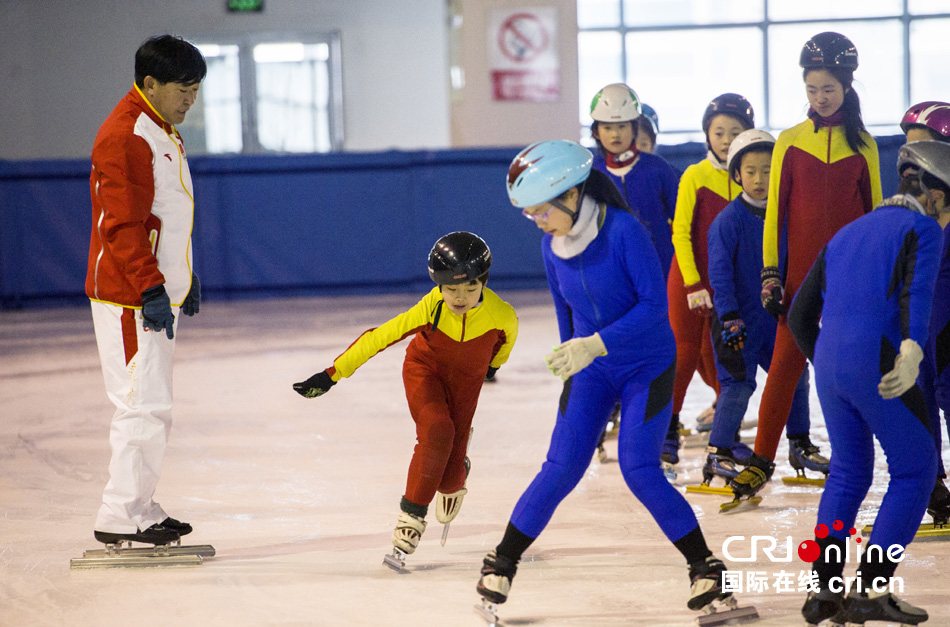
<point x="817" y="185"/>
<point x="443" y="372"/>
<point x="703" y="192"/>
<point x="142" y="215"/>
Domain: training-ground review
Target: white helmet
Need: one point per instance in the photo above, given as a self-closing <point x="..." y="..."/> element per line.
<point x="745" y="141"/>
<point x="615" y="103"/>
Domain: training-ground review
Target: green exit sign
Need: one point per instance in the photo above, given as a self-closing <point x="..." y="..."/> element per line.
<point x="245" y="6"/>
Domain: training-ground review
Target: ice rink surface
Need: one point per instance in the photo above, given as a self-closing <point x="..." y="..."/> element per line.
<point x="299" y="496"/>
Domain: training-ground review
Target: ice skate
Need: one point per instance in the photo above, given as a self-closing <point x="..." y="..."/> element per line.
<point x="706" y="595"/>
<point x="748" y="483"/>
<point x="860" y="608"/>
<point x="670" y="453"/>
<point x="939" y="505"/>
<point x="927" y="532"/>
<point x="494" y="585"/>
<point x="166" y="549"/>
<point x="704" y="421"/>
<point x="803" y="454"/>
<point x="406" y="538"/>
<point x="447" y="507"/>
<point x="824" y="605"/>
<point x="719" y="463"/>
<point x="741" y="453"/>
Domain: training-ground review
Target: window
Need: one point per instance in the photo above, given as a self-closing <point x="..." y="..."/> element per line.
<point x="679" y="54"/>
<point x="278" y="96"/>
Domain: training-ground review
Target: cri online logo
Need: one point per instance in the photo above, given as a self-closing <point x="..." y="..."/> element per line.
<point x="808" y="551"/>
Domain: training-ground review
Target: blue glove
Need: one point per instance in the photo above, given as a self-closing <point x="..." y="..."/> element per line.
<point x="190" y="306"/>
<point x="317" y="385"/>
<point x="157" y="311"/>
<point x="734" y="333"/>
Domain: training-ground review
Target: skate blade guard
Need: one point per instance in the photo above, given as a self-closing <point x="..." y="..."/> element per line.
<point x="740" y="504"/>
<point x="488" y="611"/>
<point x="119" y="556"/>
<point x="708" y="489"/>
<point x="927" y="532"/>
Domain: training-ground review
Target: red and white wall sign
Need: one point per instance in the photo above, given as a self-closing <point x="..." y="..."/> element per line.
<point x="523" y="57"/>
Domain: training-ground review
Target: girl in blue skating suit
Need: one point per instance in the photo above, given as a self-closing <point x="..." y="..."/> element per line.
<point x="743" y="333"/>
<point x="647" y="182"/>
<point x="617" y="346"/>
<point x="871" y="288"/>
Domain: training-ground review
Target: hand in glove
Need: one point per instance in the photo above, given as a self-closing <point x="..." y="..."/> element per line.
<point x="734" y="333"/>
<point x="490" y="375"/>
<point x="772" y="292"/>
<point x="904" y="374"/>
<point x="157" y="311"/>
<point x="574" y="355"/>
<point x="699" y="300"/>
<point x="317" y="385"/>
<point x="190" y="306"/>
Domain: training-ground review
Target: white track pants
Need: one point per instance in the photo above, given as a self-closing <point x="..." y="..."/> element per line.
<point x="137" y="367"/>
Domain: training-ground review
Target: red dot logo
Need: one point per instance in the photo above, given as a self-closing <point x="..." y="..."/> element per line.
<point x="838" y="525"/>
<point x="808" y="550"/>
<point x="821" y="531"/>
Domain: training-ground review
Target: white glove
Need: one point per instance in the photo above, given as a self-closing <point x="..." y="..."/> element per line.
<point x="574" y="355"/>
<point x="904" y="374"/>
<point x="697" y="297"/>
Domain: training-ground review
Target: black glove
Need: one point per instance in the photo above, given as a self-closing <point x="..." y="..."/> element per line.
<point x="190" y="306"/>
<point x="734" y="333"/>
<point x="772" y="292"/>
<point x="490" y="376"/>
<point x="157" y="311"/>
<point x="317" y="385"/>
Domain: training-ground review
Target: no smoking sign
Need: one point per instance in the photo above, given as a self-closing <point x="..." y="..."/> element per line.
<point x="523" y="54"/>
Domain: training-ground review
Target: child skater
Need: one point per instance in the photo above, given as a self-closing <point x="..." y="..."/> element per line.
<point x="824" y="175"/>
<point x="931" y="121"/>
<point x="863" y="311"/>
<point x="462" y="330"/>
<point x="649" y="128"/>
<point x="743" y="333"/>
<point x="616" y="345"/>
<point x="704" y="190"/>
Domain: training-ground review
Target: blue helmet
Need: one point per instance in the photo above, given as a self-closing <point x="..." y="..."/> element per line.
<point x="650" y="114"/>
<point x="545" y="170"/>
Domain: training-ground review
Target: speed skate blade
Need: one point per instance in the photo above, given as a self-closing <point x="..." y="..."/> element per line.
<point x="203" y="550"/>
<point x="927" y="532"/>
<point x="445" y="534"/>
<point x="696" y="440"/>
<point x="740" y="505"/>
<point x="395" y="560"/>
<point x="134" y="561"/>
<point x="734" y="616"/>
<point x="486" y="610"/>
<point x="820" y="482"/>
<point x="706" y="489"/>
<point x="669" y="471"/>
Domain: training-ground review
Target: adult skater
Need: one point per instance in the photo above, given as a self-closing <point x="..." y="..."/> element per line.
<point x="931" y="121"/>
<point x="863" y="311"/>
<point x="743" y="333"/>
<point x="824" y="175"/>
<point x="140" y="275"/>
<point x="462" y="330"/>
<point x="616" y="346"/>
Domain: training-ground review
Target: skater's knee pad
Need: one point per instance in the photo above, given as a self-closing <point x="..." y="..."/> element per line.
<point x="447" y="506"/>
<point x="408" y="532"/>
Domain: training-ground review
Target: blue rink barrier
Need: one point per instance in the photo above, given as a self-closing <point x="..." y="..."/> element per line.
<point x="296" y="224"/>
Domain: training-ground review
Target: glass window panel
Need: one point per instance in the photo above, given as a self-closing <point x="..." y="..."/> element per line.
<point x="293" y="96"/>
<point x="598" y="13"/>
<point x="668" y="12"/>
<point x="213" y="124"/>
<point x="823" y="9"/>
<point x="678" y="73"/>
<point x="878" y="80"/>
<point x="923" y="7"/>
<point x="599" y="56"/>
<point x="929" y="70"/>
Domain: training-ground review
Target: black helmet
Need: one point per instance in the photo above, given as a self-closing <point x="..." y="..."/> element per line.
<point x="829" y="50"/>
<point x="729" y="104"/>
<point x="458" y="257"/>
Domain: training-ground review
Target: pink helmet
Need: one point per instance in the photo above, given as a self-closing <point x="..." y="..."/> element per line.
<point x="932" y="114"/>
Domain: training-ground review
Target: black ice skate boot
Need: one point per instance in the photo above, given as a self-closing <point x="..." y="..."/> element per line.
<point x="497" y="573"/>
<point x="182" y="528"/>
<point x="803" y="454"/>
<point x="860" y="607"/>
<point x="156" y="534"/>
<point x="939" y="506"/>
<point x="706" y="580"/>
<point x="671" y="444"/>
<point x="824" y="605"/>
<point x="753" y="477"/>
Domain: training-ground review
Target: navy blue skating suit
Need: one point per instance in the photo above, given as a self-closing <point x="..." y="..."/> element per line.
<point x="871" y="287"/>
<point x="735" y="266"/>
<point x="650" y="190"/>
<point x="615" y="287"/>
<point x="934" y="377"/>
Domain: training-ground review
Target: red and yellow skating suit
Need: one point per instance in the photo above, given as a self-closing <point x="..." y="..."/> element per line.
<point x="703" y="192"/>
<point x="817" y="185"/>
<point x="443" y="372"/>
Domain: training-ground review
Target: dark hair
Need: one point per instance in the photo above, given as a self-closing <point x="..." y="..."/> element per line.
<point x="599" y="187"/>
<point x="595" y="125"/>
<point x="169" y="59"/>
<point x="851" y="108"/>
<point x="646" y="126"/>
<point x="932" y="182"/>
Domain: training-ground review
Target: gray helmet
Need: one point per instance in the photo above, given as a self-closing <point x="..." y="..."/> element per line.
<point x="930" y="157"/>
